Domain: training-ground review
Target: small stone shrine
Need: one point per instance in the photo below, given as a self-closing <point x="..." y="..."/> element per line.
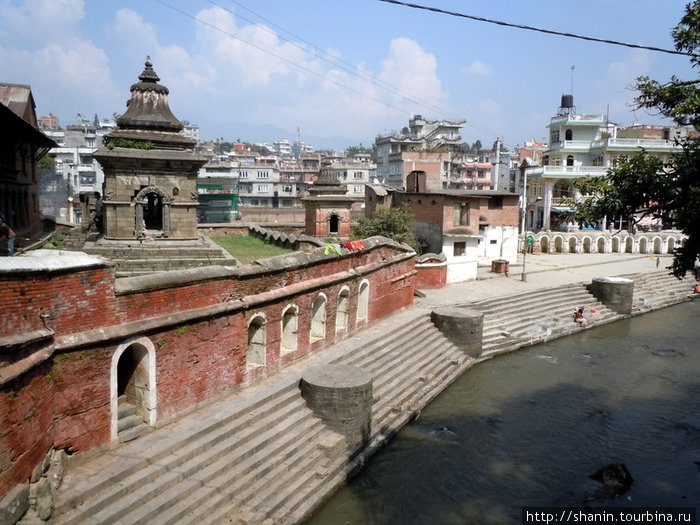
<point x="328" y="206"/>
<point x="150" y="189"/>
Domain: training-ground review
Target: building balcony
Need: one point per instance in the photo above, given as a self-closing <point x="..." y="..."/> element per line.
<point x="566" y="172"/>
<point x="634" y="144"/>
<point x="595" y="120"/>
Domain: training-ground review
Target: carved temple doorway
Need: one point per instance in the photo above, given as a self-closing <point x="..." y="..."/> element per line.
<point x="152" y="212"/>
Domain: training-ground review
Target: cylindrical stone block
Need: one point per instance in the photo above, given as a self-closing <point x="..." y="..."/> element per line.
<point x="341" y="396"/>
<point x="614" y="292"/>
<point x="464" y="327"/>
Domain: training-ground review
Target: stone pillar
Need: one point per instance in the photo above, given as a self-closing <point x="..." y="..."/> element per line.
<point x="614" y="292"/>
<point x="462" y="326"/>
<point x="548" y="190"/>
<point x="341" y="396"/>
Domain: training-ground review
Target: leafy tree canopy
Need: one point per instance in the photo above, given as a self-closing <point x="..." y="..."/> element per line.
<point x="641" y="182"/>
<point x="394" y="223"/>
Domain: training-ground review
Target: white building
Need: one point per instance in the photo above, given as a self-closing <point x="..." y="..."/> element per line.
<point x="581" y="145"/>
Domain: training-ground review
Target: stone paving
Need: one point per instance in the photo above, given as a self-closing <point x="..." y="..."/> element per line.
<point x="542" y="271"/>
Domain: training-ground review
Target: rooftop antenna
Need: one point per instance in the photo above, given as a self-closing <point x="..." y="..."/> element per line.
<point x="572" y="80"/>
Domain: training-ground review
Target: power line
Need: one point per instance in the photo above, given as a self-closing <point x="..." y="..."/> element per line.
<point x="538" y="29"/>
<point x="470" y="124"/>
<point x="336" y="61"/>
<point x="328" y="79"/>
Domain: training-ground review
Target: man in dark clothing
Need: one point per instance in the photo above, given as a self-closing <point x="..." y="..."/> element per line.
<point x="99" y="218"/>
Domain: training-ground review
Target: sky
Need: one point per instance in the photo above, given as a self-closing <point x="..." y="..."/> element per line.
<point x="338" y="73"/>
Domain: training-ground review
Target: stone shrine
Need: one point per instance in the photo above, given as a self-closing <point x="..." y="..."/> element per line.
<point x="150" y="189"/>
<point x="328" y="206"/>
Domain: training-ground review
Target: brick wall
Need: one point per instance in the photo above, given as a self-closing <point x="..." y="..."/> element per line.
<point x="196" y="320"/>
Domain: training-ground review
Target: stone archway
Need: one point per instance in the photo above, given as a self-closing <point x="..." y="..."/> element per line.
<point x="600" y="248"/>
<point x="256" y="354"/>
<point x="559" y="244"/>
<point x="643" y="245"/>
<point x="670" y="245"/>
<point x="318" y="319"/>
<point x="363" y="302"/>
<point x="133" y="383"/>
<point x="587" y="245"/>
<point x="290" y="329"/>
<point x="615" y="242"/>
<point x="152" y="212"/>
<point x="342" y="311"/>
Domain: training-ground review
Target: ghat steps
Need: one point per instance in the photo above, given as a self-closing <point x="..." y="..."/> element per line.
<point x="261" y="456"/>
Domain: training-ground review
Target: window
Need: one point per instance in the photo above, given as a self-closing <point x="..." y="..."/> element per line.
<point x="555" y="160"/>
<point x="569" y="135"/>
<point x="263" y="174"/>
<point x="496" y="203"/>
<point x="555" y="136"/>
<point x="570" y="160"/>
<point x="263" y="188"/>
<point x="358" y="189"/>
<point x="460" y="249"/>
<point x="357" y="175"/>
<point x="461" y="214"/>
<point x="243" y="175"/>
<point x="598" y="161"/>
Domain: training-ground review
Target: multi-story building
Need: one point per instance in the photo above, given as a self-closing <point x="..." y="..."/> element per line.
<point x="583" y="145"/>
<point x="353" y="174"/>
<point x="472" y="175"/>
<point x="425" y="145"/>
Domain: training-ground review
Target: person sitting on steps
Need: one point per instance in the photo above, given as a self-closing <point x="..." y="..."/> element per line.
<point x="579" y="317"/>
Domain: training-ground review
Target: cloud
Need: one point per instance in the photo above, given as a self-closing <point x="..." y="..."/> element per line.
<point x="63" y="68"/>
<point x="637" y="63"/>
<point x="478" y="68"/>
<point x="412" y="71"/>
<point x="40" y="21"/>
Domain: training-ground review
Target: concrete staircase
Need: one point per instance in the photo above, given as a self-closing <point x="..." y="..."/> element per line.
<point x="261" y="456"/>
<point x="130" y="425"/>
<point x="658" y="290"/>
<point x="531" y="318"/>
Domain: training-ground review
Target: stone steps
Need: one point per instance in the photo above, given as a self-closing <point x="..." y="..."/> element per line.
<point x="231" y="468"/>
<point x="142" y="462"/>
<point x="269" y="460"/>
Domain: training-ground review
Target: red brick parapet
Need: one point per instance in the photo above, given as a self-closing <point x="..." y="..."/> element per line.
<point x="66" y="318"/>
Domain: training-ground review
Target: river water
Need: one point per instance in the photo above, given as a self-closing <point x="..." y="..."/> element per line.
<point x="527" y="428"/>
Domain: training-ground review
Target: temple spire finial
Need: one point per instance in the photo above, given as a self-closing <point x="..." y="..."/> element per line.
<point x="148" y="75"/>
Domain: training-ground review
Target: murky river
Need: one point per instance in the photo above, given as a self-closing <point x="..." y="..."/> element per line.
<point x="526" y="429"/>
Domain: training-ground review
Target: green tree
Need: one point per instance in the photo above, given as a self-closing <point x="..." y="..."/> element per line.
<point x="394" y="223"/>
<point x="641" y="183"/>
<point x="46" y="167"/>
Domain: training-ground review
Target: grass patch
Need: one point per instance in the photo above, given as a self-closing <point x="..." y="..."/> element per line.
<point x="55" y="242"/>
<point x="247" y="249"/>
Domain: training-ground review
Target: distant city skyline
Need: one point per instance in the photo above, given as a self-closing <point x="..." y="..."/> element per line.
<point x="343" y="72"/>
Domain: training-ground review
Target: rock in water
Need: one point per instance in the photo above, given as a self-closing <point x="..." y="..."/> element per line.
<point x="615" y="479"/>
